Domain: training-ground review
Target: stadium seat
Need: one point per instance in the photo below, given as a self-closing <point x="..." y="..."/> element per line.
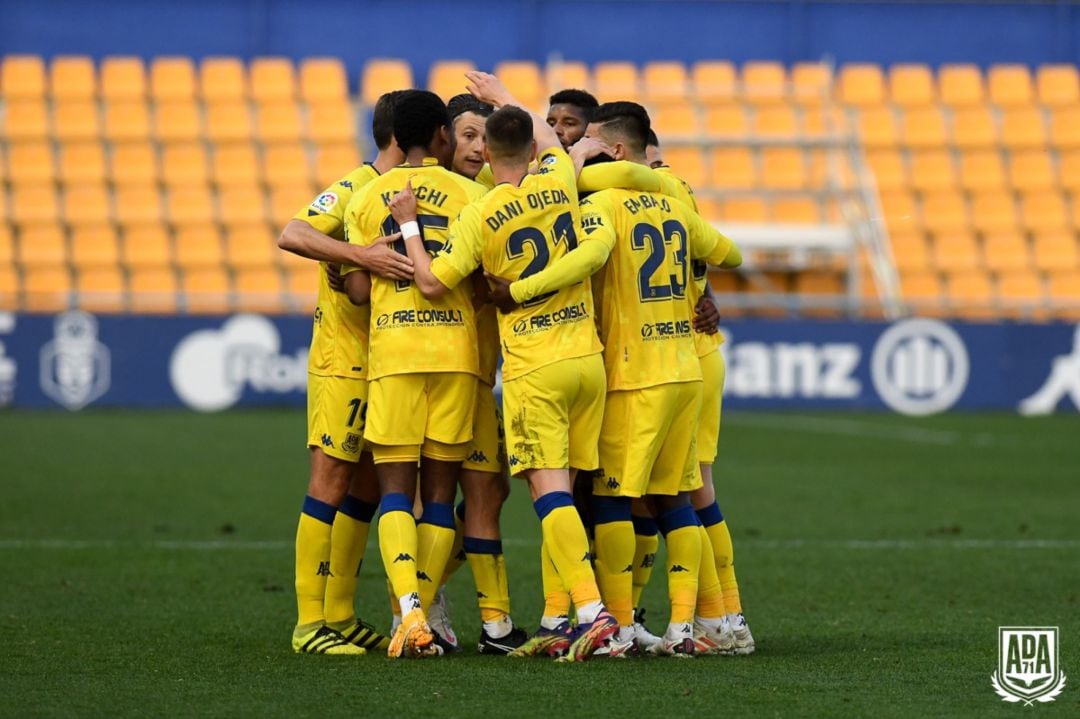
<point x="333" y="161"/>
<point x="24" y="120"/>
<point x="994" y="211"/>
<point x="811" y="83"/>
<point x="42" y="245"/>
<point x="783" y="168"/>
<point x="273" y="80"/>
<point x="446" y="78"/>
<point x="617" y="80"/>
<point x="137" y="206"/>
<point x="76" y="120"/>
<point x="820" y="285"/>
<point x="177" y="121"/>
<point x="732" y="168"/>
<point x="324" y="80"/>
<point x="331" y="122"/>
<point x="34" y="205"/>
<point x="127" y="120"/>
<point x="153" y="290"/>
<point x="776" y="120"/>
<point x="675" y="120"/>
<point x="713" y="81"/>
<point x="901" y="212"/>
<point x="862" y="85"/>
<point x="86" y="205"/>
<point x="800" y="210"/>
<point x="82" y="163"/>
<point x="233" y="165"/>
<point x="1032" y="170"/>
<point x="72" y="77"/>
<point x="981" y="170"/>
<point x="744" y="209"/>
<point x="932" y="170"/>
<point x="566" y="75"/>
<point x="726" y="120"/>
<point x="1055" y="250"/>
<point x="878" y="127"/>
<point x="961" y="85"/>
<point x="123" y="79"/>
<point x="172" y="80"/>
<point x="1004" y="251"/>
<point x="970" y="295"/>
<point x="954" y="250"/>
<point x="974" y="127"/>
<point x="286" y="200"/>
<point x="1069" y="171"/>
<point x="278" y="122"/>
<point x="146" y="247"/>
<point x="1010" y="86"/>
<point x="222" y="80"/>
<point x="22" y="77"/>
<point x="710" y="208"/>
<point x="184" y="165"/>
<point x="825" y="121"/>
<point x="924" y="127"/>
<point x="250" y="246"/>
<point x="665" y="82"/>
<point x="10" y="289"/>
<point x="301" y="286"/>
<point x="910" y="251"/>
<point x="1022" y="128"/>
<point x="198" y="246"/>
<point x="382" y="75"/>
<point x="1057" y="85"/>
<point x="889" y="169"/>
<point x="945" y="211"/>
<point x="688" y="163"/>
<point x="1020" y="294"/>
<point x="101" y="289"/>
<point x="911" y="86"/>
<point x="259" y="290"/>
<point x="1063" y="288"/>
<point x="1044" y="211"/>
<point x="46" y="289"/>
<point x="133" y="163"/>
<point x="94" y="246"/>
<point x="240" y="205"/>
<point x="1065" y="128"/>
<point x="228" y="121"/>
<point x="7" y="245"/>
<point x="206" y="291"/>
<point x="767" y="283"/>
<point x="527" y="84"/>
<point x="764" y="82"/>
<point x="286" y="164"/>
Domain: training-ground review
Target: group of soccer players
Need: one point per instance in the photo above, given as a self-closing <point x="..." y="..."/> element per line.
<point x="611" y="377"/>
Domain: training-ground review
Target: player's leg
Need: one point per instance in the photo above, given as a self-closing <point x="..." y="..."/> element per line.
<point x="439" y="613"/>
<point x="646" y="544"/>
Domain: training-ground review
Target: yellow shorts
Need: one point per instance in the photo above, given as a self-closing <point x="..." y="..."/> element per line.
<point x="336" y="409"/>
<point x="708" y="429"/>
<point x="487" y="451"/>
<point x="429" y="414"/>
<point x="554" y="415"/>
<point x="647" y="441"/>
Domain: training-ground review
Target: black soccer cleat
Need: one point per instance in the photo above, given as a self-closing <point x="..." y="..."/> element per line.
<point x="502" y="645"/>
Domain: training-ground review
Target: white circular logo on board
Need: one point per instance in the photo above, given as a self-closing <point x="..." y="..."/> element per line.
<point x="920" y="367"/>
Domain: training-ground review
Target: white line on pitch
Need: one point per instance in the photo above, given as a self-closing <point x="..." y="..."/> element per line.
<point x="855" y="428"/>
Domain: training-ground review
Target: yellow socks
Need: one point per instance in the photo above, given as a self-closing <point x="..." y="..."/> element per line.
<point x="613" y="534"/>
<point x="564" y="536"/>
<point x="710" y="597"/>
<point x="435" y="539"/>
<point x="646" y="542"/>
<point x="312" y="561"/>
<point x="556" y="598"/>
<point x="723" y="555"/>
<point x="683" y="539"/>
<point x="348" y="540"/>
<point x="457" y="553"/>
<point x="397" y="545"/>
<point x="489" y="573"/>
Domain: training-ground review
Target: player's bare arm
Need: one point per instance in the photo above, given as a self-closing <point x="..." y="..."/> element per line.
<point x="586" y="149"/>
<point x="706" y="313"/>
<point x="488" y="88"/>
<point x="302" y="239"/>
<point x="358" y="287"/>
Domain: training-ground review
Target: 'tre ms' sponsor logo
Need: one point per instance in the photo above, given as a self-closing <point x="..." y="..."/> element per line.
<point x="652" y="331"/>
<point x="420" y="318"/>
<point x="538" y="323"/>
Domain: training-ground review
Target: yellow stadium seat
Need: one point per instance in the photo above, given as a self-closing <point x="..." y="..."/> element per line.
<point x="123" y="79"/>
<point x="259" y="289"/>
<point x="273" y="80"/>
<point x="72" y="77"/>
<point x="666" y="81"/>
<point x="286" y="164"/>
<point x="42" y="244"/>
<point x="981" y="170"/>
<point x="816" y="283"/>
<point x="889" y="170"/>
<point x="1063" y="287"/>
<point x="877" y="127"/>
<point x="1004" y="251"/>
<point x="94" y="246"/>
<point x="177" y="121"/>
<point x="1032" y="170"/>
<point x="799" y="210"/>
<point x="911" y="85"/>
<point x="713" y="81"/>
<point x="1023" y="127"/>
<point x="961" y="85"/>
<point x="970" y="295"/>
<point x="87" y="205"/>
<point x="688" y="163"/>
<point x="9" y="288"/>
<point x="1021" y="294"/>
<point x="945" y="211"/>
<point x="31" y="163"/>
<point x="82" y="163"/>
<point x="910" y="251"/>
<point x="524" y="80"/>
<point x="25" y="120"/>
<point x="187" y="206"/>
<point x="153" y="290"/>
<point x="831" y="169"/>
<point x="302" y="285"/>
<point x="974" y="127"/>
<point x="924" y="127"/>
<point x="184" y="165"/>
<point x="862" y="85"/>
<point x="726" y="120"/>
<point x="617" y="81"/>
<point x="1065" y="128"/>
<point x="901" y="213"/>
<point x="710" y="208"/>
<point x="732" y="168"/>
<point x="206" y="290"/>
<point x="674" y="120"/>
<point x="137" y="206"/>
<point x="323" y="79"/>
<point x="47" y="289"/>
<point x="563" y="75"/>
<point x="1010" y="86"/>
<point x="222" y="80"/>
<point x="744" y="209"/>
<point x="242" y="204"/>
<point x="994" y="211"/>
<point x="147" y="247"/>
<point x="286" y="200"/>
<point x="198" y="245"/>
<point x="235" y="165"/>
<point x="133" y="163"/>
<point x="334" y="161"/>
<point x="22" y="77"/>
<point x="1057" y="85"/>
<point x="331" y="122"/>
<point x="825" y="121"/>
<point x="76" y="120"/>
<point x="1069" y="169"/>
<point x="783" y="168"/>
<point x="127" y="120"/>
<point x="446" y="78"/>
<point x="811" y="83"/>
<point x="7" y="245"/>
<point x="764" y="82"/>
<point x="955" y="249"/>
<point x="1055" y="250"/>
<point x="228" y="121"/>
<point x="172" y="80"/>
<point x="932" y="170"/>
<point x="1044" y="211"/>
<point x="101" y="289"/>
<point x="250" y="246"/>
<point x="776" y="120"/>
<point x="278" y="122"/>
<point x="382" y="75"/>
<point x="34" y="204"/>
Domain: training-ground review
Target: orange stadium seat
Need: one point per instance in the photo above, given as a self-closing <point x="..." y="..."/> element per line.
<point x="331" y="122"/>
<point x="31" y="163"/>
<point x="76" y="120"/>
<point x="981" y="170"/>
<point x="87" y="205"/>
<point x="286" y="164"/>
<point x="250" y="246"/>
<point x="1003" y="251"/>
<point x="184" y="165"/>
<point x="302" y="285"/>
<point x="286" y="200"/>
<point x="72" y="77"/>
<point x="924" y="127"/>
<point x="1032" y="170"/>
<point x="259" y="289"/>
<point x="1069" y="171"/>
<point x="944" y="211"/>
<point x="123" y="79"/>
<point x="910" y="251"/>
<point x="889" y="170"/>
<point x="127" y="120"/>
<point x="101" y="289"/>
<point x="188" y="206"/>
<point x="811" y="83"/>
<point x="206" y="290"/>
<point x="47" y="289"/>
<point x="862" y="85"/>
<point x="228" y="121"/>
<point x="34" y="204"/>
<point x="911" y="85"/>
<point x="1010" y="86"/>
<point x="1055" y="250"/>
<point x="235" y="165"/>
<point x="94" y="246"/>
<point x="994" y="211"/>
<point x="776" y="120"/>
<point x="900" y="211"/>
<point x="25" y="120"/>
<point x="1057" y="85"/>
<point x="932" y="170"/>
<point x="22" y="77"/>
<point x="1064" y="287"/>
<point x="744" y="209"/>
<point x="241" y="205"/>
<point x="726" y="120"/>
<point x="688" y="163"/>
<point x="1021" y="293"/>
<point x="798" y="210"/>
<point x="825" y="121"/>
<point x="7" y="245"/>
<point x="222" y="80"/>
<point x="446" y="78"/>
<point x="783" y="168"/>
<point x="9" y="288"/>
<point x="273" y="80"/>
<point x="666" y="81"/>
<point x="323" y="79"/>
<point x="278" y="122"/>
<point x="563" y="75"/>
<point x="674" y="121"/>
<point x="198" y="245"/>
<point x="147" y="247"/>
<point x="955" y="250"/>
<point x="1065" y="128"/>
<point x="878" y="127"/>
<point x="42" y="245"/>
<point x="764" y="82"/>
<point x="732" y="168"/>
<point x="133" y="163"/>
<point x="820" y="284"/>
<point x="961" y="85"/>
<point x="713" y="81"/>
<point x="82" y="163"/>
<point x="153" y="290"/>
<point x="177" y="121"/>
<point x="1044" y="211"/>
<point x="523" y="78"/>
<point x="970" y="295"/>
<point x="172" y="79"/>
<point x="334" y="161"/>
<point x="382" y="75"/>
<point x="974" y="127"/>
<point x="617" y="80"/>
<point x="1023" y="127"/>
<point x="137" y="206"/>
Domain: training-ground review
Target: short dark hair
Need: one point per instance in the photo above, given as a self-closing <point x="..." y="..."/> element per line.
<point x="580" y="99"/>
<point x="654" y="141"/>
<point x="509" y="132"/>
<point x="418" y="115"/>
<point x="382" y="119"/>
<point x="460" y="104"/>
<point x="628" y="119"/>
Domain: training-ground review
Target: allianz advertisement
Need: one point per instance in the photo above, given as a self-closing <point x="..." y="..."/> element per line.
<point x="913" y="366"/>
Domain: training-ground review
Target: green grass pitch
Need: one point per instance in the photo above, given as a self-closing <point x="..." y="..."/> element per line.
<point x="147" y="571"/>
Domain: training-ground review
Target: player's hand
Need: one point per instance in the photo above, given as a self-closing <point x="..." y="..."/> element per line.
<point x="381" y="259"/>
<point x="403" y="204"/>
<point x="500" y="293"/>
<point x="589" y="147"/>
<point x="334" y="278"/>
<point x="487" y="88"/>
<point x="706" y="316"/>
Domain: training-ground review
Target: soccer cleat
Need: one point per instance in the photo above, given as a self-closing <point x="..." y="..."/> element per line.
<point x="503" y="645"/>
<point x="413" y="637"/>
<point x="591" y="637"/>
<point x="552" y="642"/>
<point x="708" y="641"/>
<point x="616" y="647"/>
<point x="439" y="620"/>
<point x="324" y="640"/>
<point x="744" y="640"/>
<point x="364" y="635"/>
<point x="643" y="638"/>
<point x="675" y="644"/>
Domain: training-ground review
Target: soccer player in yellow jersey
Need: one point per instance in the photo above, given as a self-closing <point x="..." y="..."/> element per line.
<point x="423" y="367"/>
<point x="568" y="114"/>
<point x="654" y="378"/>
<point x="342" y="492"/>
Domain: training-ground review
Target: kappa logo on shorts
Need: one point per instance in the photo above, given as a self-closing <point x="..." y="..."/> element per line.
<point x="478" y="456"/>
<point x="351" y="443"/>
<point x="612" y="483"/>
<point x="327" y="441"/>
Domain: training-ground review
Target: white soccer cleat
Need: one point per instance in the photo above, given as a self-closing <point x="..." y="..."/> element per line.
<point x="708" y="640"/>
<point x="644" y="640"/>
<point x="744" y="640"/>
<point x="438" y="618"/>
<point x="676" y="642"/>
<point x="619" y="645"/>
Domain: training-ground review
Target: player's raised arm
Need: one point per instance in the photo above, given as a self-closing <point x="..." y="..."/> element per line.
<point x="621" y="173"/>
<point x="488" y="88"/>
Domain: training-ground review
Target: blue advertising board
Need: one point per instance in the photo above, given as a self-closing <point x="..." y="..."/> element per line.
<point x="913" y="366"/>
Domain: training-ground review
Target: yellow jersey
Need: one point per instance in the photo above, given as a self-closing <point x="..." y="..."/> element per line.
<point x="647" y="241"/>
<point x="516" y="231"/>
<point x="409" y="333"/>
<point x="487" y="339"/>
<point x="339" y="334"/>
